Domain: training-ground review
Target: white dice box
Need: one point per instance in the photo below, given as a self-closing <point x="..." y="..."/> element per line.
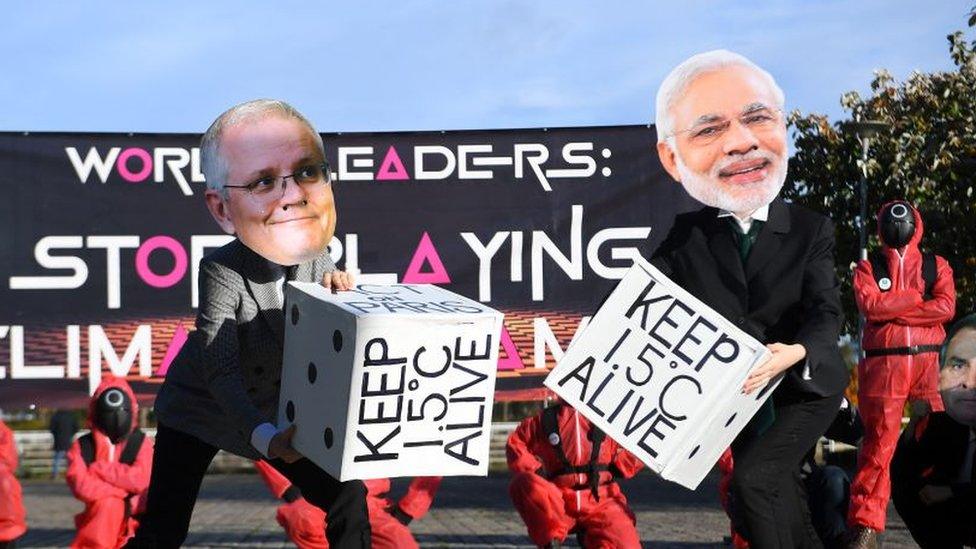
<point x="389" y="380"/>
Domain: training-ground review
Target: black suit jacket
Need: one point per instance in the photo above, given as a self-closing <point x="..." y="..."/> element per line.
<point x="225" y="380"/>
<point x="932" y="451"/>
<point x="786" y="292"/>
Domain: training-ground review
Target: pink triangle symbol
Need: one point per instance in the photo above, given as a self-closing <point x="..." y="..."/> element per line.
<point x="426" y="253"/>
<point x="513" y="361"/>
<point x="392" y="167"/>
<point x="175" y="344"/>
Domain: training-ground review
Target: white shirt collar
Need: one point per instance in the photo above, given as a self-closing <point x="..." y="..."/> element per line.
<point x="762" y="214"/>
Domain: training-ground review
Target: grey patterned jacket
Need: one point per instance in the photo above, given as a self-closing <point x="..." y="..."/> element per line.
<point x="226" y="378"/>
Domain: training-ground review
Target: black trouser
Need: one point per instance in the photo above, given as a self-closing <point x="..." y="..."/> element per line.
<point x="770" y="499"/>
<point x="829" y="492"/>
<point x="945" y="525"/>
<point x="179" y="464"/>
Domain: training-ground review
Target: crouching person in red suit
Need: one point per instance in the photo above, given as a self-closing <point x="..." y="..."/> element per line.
<point x="303" y="522"/>
<point x="564" y="481"/>
<point x="13" y="522"/>
<point x="108" y="469"/>
<point x="905" y="297"/>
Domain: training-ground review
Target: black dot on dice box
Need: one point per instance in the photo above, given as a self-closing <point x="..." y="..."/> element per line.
<point x="294" y="315"/>
<point x="337" y="341"/>
<point x="312" y="372"/>
<point x="764" y="391"/>
<point x="290" y="411"/>
<point x="327" y="436"/>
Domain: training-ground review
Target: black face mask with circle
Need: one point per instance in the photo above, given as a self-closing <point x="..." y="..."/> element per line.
<point x="897" y="224"/>
<point x="113" y="414"/>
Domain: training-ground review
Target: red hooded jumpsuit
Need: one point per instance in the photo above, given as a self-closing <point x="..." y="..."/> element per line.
<point x="897" y="318"/>
<point x="105" y="485"/>
<point x="12" y="516"/>
<point x="726" y="465"/>
<point x="304" y="522"/>
<point x="554" y="507"/>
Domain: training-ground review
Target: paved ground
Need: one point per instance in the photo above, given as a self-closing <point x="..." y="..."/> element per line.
<point x="236" y="511"/>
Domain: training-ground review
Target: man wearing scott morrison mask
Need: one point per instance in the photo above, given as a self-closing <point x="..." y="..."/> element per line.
<point x="764" y="264"/>
<point x="905" y="296"/>
<point x="108" y="468"/>
<point x="933" y="471"/>
<point x="269" y="185"/>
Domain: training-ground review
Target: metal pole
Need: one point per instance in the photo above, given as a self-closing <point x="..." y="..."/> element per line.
<point x="864" y="130"/>
<point x="862" y="230"/>
<point x="862" y="225"/>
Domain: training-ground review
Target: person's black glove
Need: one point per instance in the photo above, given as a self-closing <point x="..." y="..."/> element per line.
<point x="398" y="514"/>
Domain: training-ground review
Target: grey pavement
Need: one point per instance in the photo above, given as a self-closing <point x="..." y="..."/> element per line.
<point x="469" y="513"/>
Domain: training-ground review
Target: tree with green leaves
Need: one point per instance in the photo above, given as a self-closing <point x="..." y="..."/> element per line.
<point x="926" y="154"/>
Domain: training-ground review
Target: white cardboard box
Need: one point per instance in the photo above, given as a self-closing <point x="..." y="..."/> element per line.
<point x="661" y="373"/>
<point x="388" y="381"/>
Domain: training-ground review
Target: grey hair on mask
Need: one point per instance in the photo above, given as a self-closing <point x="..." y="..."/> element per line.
<point x="680" y="77"/>
<point x="212" y="163"/>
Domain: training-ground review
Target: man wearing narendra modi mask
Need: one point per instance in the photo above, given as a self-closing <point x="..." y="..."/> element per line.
<point x="764" y="264"/>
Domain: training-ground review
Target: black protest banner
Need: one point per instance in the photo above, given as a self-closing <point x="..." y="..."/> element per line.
<point x="105" y="232"/>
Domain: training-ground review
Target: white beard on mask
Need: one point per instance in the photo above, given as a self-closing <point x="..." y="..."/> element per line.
<point x="710" y="191"/>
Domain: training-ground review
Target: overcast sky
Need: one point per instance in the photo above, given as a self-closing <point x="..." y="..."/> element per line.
<point x="425" y="64"/>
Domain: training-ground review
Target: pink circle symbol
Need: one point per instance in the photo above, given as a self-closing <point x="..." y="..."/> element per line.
<point x="179" y="259"/>
<point x="123" y="168"/>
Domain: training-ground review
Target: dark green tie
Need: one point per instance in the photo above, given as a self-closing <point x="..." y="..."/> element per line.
<point x="746" y="240"/>
<point x="766" y="414"/>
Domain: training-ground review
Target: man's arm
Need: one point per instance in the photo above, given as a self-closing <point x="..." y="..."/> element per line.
<point x="84" y="484"/>
<point x="419" y="496"/>
<point x="624" y="464"/>
<point x="820" y="299"/>
<point x="941" y="308"/>
<point x="219" y="365"/>
<point x="131" y="478"/>
<point x="878" y="306"/>
<point x="275" y="481"/>
<point x="8" y="450"/>
<point x="517" y="451"/>
<point x="661" y="259"/>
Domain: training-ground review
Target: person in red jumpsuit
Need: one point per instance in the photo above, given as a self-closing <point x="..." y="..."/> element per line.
<point x="905" y="297"/>
<point x="13" y="521"/>
<point x="108" y="469"/>
<point x="304" y="523"/>
<point x="725" y="467"/>
<point x="564" y="474"/>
